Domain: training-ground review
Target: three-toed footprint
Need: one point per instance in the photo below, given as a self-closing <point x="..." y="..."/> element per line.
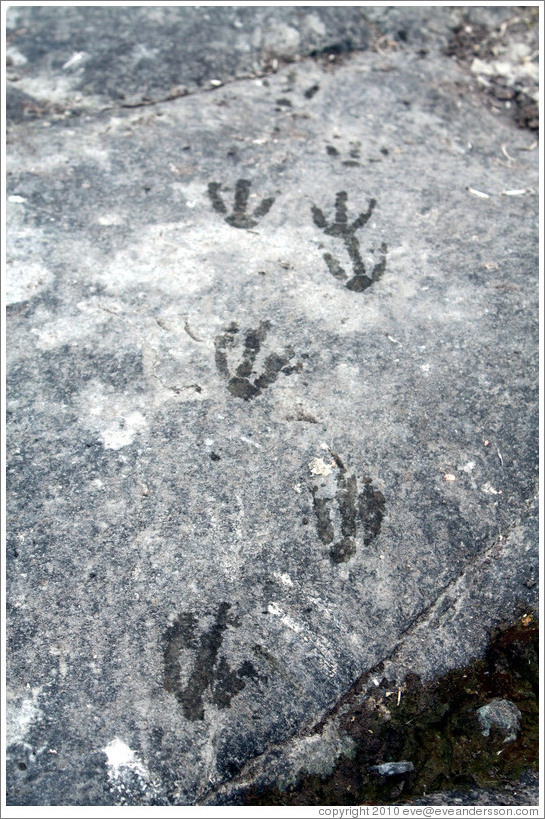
<point x="239" y="216"/>
<point x="340" y="509"/>
<point x="246" y="382"/>
<point x="194" y="669"/>
<point x="342" y="228"/>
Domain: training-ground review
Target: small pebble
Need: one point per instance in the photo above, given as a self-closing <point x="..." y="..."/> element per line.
<point x="392" y="768"/>
<point x="503" y="715"/>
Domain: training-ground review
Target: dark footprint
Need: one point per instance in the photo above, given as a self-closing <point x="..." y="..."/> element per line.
<point x="245" y="383"/>
<point x="210" y="674"/>
<point x="239" y="218"/>
<point x="343" y="229"/>
<point x="368" y="506"/>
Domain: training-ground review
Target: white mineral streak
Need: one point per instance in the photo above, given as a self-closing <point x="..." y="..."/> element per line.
<point x="20" y="714"/>
<point x="121" y="757"/>
<point x="111" y="416"/>
<point x="319" y="467"/>
<point x="25" y="280"/>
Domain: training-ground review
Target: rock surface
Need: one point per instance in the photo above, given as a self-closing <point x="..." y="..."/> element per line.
<point x="502" y="715"/>
<point x="272" y="390"/>
<point x="526" y="792"/>
<point x="392" y="768"/>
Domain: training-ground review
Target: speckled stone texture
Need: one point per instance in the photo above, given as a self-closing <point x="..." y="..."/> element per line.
<point x="272" y="405"/>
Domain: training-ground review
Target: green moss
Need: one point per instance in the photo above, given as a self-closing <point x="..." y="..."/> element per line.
<point x="435" y="727"/>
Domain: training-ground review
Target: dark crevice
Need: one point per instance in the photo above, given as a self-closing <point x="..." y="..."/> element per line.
<point x="434" y="730"/>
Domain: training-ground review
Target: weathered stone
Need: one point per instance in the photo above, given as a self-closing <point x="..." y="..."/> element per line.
<point x="392" y="768"/>
<point x="525" y="792"/>
<point x="87" y="58"/>
<point x="502" y="715"/>
<point x="202" y="301"/>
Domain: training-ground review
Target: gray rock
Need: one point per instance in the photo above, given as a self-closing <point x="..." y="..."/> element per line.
<point x="87" y="59"/>
<point x="392" y="768"/>
<point x="502" y="715"/>
<point x="523" y="792"/>
<point x="238" y="480"/>
<point x="90" y="58"/>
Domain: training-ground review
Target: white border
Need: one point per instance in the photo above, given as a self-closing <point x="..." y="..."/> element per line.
<point x="190" y="811"/>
